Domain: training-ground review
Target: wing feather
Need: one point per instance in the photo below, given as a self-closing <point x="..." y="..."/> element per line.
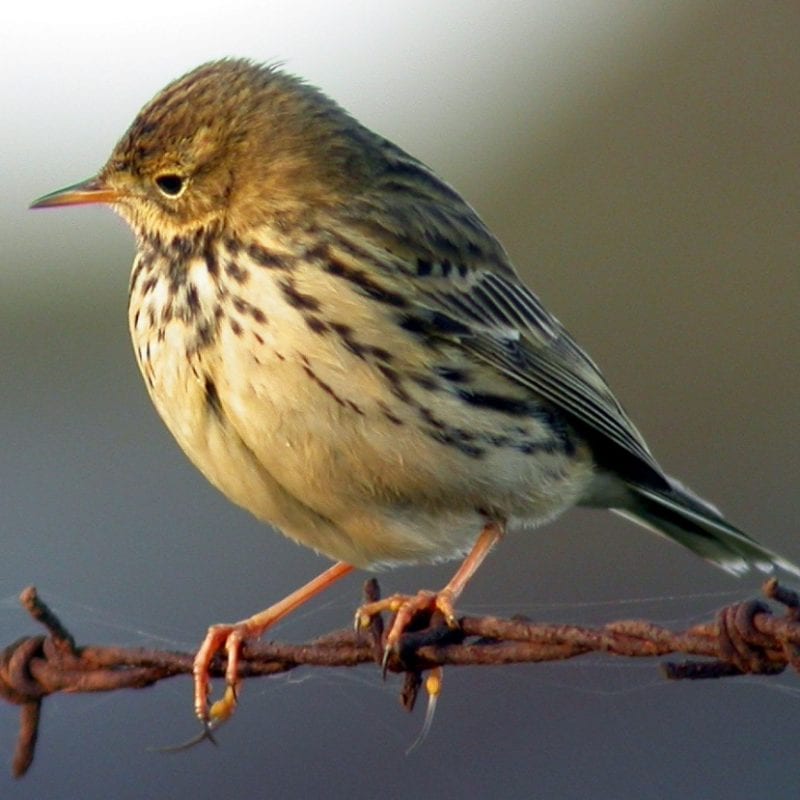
<point x="469" y="284"/>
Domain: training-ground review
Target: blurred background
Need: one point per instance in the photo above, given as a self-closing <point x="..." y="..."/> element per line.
<point x="640" y="162"/>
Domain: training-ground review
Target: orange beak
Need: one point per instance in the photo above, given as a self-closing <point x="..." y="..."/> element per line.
<point x="90" y="191"/>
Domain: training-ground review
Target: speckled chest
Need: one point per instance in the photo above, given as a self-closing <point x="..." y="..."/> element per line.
<point x="320" y="374"/>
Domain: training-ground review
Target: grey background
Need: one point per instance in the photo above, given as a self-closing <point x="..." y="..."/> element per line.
<point x="640" y="162"/>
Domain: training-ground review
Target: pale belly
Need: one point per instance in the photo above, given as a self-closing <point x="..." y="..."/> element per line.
<point x="342" y="453"/>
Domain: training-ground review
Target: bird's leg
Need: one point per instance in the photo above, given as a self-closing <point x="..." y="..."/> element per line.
<point x="406" y="607"/>
<point x="231" y="637"/>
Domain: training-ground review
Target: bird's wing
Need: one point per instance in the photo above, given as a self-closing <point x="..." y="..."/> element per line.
<point x="543" y="357"/>
<point x="465" y="289"/>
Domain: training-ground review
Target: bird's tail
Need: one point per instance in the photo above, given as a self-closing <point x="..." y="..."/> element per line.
<point x="684" y="517"/>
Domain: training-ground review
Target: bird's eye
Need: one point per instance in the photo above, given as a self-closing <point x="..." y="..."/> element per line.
<point x="170" y="184"/>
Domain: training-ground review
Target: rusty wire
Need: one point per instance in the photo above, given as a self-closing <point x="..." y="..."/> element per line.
<point x="746" y="638"/>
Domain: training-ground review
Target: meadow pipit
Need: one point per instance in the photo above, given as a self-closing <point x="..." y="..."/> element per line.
<point x="342" y="347"/>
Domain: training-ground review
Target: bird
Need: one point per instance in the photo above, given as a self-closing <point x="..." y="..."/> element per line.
<point x="342" y="347"/>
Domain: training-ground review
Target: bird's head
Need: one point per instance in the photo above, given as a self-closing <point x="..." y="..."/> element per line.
<point x="231" y="143"/>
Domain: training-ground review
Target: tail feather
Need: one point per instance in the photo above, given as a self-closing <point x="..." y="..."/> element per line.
<point x="689" y="520"/>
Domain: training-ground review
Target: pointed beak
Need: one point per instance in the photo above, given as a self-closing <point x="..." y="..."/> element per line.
<point x="91" y="191"/>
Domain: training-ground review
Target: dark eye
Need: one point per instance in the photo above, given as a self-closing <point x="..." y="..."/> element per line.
<point x="170" y="184"/>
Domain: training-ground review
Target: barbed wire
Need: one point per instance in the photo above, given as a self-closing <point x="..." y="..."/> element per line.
<point x="745" y="638"/>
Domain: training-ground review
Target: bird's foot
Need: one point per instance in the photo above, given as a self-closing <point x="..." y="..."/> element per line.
<point x="230" y="639"/>
<point x="406" y="608"/>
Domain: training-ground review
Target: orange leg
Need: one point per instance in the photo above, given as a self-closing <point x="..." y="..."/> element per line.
<point x="406" y="607"/>
<point x="230" y="638"/>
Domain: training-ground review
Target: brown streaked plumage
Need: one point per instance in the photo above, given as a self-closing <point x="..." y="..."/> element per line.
<point x="342" y="347"/>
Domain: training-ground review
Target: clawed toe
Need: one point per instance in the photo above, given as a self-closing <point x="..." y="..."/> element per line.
<point x="230" y="638"/>
<point x="219" y="637"/>
<point x="406" y="609"/>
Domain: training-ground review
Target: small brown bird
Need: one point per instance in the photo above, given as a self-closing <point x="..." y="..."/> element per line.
<point x="343" y="348"/>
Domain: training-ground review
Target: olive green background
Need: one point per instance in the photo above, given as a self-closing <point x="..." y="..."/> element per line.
<point x="640" y="162"/>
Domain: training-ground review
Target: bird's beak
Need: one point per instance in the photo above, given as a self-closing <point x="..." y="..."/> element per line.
<point x="93" y="190"/>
